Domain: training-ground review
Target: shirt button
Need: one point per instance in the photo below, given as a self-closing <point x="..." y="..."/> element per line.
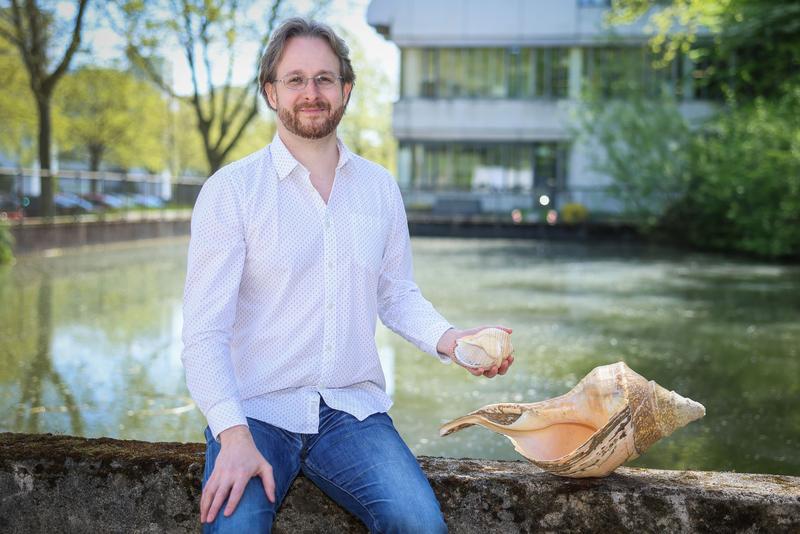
<point x="327" y="348"/>
<point x="330" y="265"/>
<point x="330" y="305"/>
<point x="327" y="223"/>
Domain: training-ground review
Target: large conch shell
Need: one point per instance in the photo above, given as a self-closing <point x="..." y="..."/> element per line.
<point x="611" y="416"/>
<point x="486" y="348"/>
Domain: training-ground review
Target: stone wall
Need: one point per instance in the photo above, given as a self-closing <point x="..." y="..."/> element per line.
<point x="35" y="236"/>
<point x="67" y="484"/>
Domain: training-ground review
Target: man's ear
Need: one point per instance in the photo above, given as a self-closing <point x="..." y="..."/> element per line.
<point x="272" y="96"/>
<point x="347" y="88"/>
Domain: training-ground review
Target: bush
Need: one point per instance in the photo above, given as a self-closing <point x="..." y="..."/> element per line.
<point x="574" y="213"/>
<point x="744" y="192"/>
<point x="6" y="244"/>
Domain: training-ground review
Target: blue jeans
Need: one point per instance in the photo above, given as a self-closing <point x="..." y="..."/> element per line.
<point x="362" y="465"/>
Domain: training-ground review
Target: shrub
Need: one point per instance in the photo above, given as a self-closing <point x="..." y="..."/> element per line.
<point x="574" y="213"/>
<point x="6" y="244"/>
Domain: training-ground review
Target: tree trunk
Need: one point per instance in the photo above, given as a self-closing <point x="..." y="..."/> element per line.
<point x="95" y="157"/>
<point x="49" y="182"/>
<point x="214" y="161"/>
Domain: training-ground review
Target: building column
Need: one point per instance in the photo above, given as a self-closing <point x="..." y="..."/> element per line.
<point x="575" y="73"/>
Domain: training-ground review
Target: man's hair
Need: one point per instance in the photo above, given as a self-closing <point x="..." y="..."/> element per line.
<point x="300" y="27"/>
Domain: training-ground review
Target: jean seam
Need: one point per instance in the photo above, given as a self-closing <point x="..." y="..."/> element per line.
<point x="337" y="486"/>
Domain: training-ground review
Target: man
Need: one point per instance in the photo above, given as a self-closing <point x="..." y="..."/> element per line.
<point x="294" y="251"/>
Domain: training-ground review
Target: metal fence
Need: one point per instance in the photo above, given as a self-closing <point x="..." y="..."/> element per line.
<point x="81" y="191"/>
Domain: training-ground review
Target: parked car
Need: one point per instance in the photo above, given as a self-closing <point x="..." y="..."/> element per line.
<point x="148" y="201"/>
<point x="71" y="204"/>
<point x="104" y="200"/>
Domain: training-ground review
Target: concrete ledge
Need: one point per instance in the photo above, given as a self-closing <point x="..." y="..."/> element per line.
<point x="76" y="231"/>
<point x="67" y="484"/>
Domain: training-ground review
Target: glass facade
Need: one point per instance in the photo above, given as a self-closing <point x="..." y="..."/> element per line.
<point x="538" y="72"/>
<point x="484" y="72"/>
<point x="617" y="71"/>
<point x="463" y="166"/>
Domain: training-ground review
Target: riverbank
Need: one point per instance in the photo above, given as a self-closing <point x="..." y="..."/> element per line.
<point x="54" y="483"/>
<point x="35" y="234"/>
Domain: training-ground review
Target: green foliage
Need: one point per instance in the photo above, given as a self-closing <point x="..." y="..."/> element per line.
<point x="573" y="213"/>
<point x="745" y="188"/>
<point x="733" y="182"/>
<point x="6" y="244"/>
<point x="224" y="112"/>
<point x="17" y="108"/>
<point x="366" y="127"/>
<point x="750" y="47"/>
<point x="644" y="148"/>
<point x="109" y="114"/>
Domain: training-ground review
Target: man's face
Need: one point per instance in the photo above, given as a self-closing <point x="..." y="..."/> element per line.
<point x="312" y="112"/>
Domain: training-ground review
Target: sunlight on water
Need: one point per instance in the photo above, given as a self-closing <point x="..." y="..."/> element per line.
<point x="91" y="344"/>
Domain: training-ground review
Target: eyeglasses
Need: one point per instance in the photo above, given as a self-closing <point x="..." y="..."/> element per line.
<point x="295" y="82"/>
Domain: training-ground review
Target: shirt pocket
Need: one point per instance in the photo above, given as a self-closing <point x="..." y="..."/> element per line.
<point x="368" y="240"/>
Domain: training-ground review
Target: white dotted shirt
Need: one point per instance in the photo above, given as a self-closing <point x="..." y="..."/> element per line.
<point x="282" y="291"/>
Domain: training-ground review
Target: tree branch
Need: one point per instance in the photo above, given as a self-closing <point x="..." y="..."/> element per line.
<point x="51" y="80"/>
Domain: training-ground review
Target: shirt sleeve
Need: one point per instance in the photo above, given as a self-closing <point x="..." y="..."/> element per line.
<point x="401" y="306"/>
<point x="216" y="259"/>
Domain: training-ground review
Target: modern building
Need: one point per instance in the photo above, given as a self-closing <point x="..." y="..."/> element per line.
<point x="488" y="90"/>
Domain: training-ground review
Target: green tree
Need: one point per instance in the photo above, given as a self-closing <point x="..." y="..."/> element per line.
<point x="6" y="244"/>
<point x="366" y="127"/>
<point x="35" y="30"/>
<point x="744" y="192"/>
<point x="18" y="127"/>
<point x="751" y="47"/>
<point x="644" y="147"/>
<point x="109" y="114"/>
<point x="201" y="27"/>
<point x="733" y="182"/>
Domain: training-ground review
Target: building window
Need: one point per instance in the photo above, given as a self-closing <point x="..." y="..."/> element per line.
<point x="484" y="167"/>
<point x="618" y="71"/>
<point x="485" y="73"/>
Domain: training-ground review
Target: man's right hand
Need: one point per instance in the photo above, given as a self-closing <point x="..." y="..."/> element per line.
<point x="238" y="461"/>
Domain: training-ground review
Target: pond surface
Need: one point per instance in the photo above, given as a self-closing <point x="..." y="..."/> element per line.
<point x="90" y="344"/>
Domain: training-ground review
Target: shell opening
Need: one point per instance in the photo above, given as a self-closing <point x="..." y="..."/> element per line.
<point x="552" y="442"/>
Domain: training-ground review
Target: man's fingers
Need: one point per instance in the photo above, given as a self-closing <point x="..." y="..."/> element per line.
<point x="235" y="496"/>
<point x="206" y="498"/>
<point x="269" y="483"/>
<point x="216" y="504"/>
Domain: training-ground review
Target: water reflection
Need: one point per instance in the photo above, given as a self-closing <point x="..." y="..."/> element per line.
<point x="91" y="344"/>
<point x="40" y="373"/>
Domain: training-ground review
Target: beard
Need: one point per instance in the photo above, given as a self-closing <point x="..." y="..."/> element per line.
<point x="311" y="128"/>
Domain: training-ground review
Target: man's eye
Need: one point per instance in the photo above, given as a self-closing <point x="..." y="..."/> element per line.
<point x="325" y="80"/>
<point x="294" y="81"/>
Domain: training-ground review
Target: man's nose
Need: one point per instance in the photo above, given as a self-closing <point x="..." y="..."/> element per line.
<point x="311" y="87"/>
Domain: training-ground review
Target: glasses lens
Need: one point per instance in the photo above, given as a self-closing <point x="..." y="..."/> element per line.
<point x="294" y="82"/>
<point x="325" y="80"/>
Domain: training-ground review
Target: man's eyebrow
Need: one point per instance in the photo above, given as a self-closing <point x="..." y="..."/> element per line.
<point x="301" y="73"/>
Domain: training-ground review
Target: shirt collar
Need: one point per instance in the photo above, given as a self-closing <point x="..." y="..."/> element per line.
<point x="285" y="163"/>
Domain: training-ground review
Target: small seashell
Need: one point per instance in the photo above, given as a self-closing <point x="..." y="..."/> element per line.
<point x="486" y="348"/>
<point x="611" y="416"/>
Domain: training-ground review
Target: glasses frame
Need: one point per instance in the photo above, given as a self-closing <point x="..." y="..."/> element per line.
<point x="307" y="79"/>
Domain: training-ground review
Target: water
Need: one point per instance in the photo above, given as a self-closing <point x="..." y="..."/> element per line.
<point x="91" y="344"/>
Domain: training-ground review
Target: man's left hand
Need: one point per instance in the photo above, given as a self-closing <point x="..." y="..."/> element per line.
<point x="447" y="345"/>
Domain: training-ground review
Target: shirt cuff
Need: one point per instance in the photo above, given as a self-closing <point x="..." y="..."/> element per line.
<point x="436" y="333"/>
<point x="225" y="415"/>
